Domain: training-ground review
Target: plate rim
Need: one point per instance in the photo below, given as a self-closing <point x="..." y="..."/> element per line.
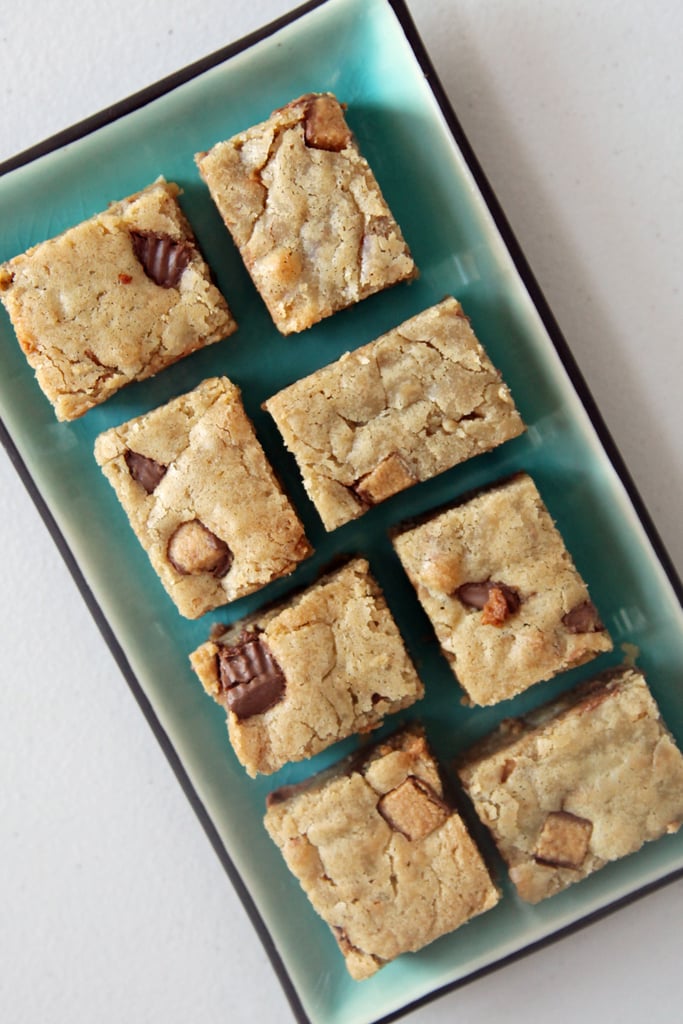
<point x="141" y="98"/>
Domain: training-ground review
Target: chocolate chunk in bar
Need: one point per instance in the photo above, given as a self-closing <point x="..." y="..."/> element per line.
<point x="413" y="809"/>
<point x="478" y="595"/>
<point x="162" y="258"/>
<point x="564" y="839"/>
<point x="251" y="677"/>
<point x="583" y="618"/>
<point x="145" y="471"/>
<point x="324" y="124"/>
<point x="194" y="549"/>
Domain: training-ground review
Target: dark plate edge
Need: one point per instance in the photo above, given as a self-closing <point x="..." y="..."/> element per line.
<point x="155" y="725"/>
<point x="154" y="91"/>
<point x="140" y="99"/>
<point x="612" y="451"/>
<point x="548" y="940"/>
<point x="537" y="296"/>
<point x="48" y="145"/>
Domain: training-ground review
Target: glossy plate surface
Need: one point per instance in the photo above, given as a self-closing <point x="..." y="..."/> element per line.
<point x="360" y="50"/>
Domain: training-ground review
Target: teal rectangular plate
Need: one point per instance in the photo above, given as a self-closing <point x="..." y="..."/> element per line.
<point x="367" y="52"/>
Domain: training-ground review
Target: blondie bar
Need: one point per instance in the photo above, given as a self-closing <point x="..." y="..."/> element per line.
<point x="382" y="857"/>
<point x="309" y="671"/>
<point x="202" y="498"/>
<point x="306" y="212"/>
<point x="507" y="604"/>
<point x="114" y="299"/>
<point x="409" y="405"/>
<point x="583" y="781"/>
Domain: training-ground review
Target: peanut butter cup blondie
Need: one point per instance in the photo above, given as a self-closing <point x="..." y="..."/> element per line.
<point x="582" y="781"/>
<point x="415" y="402"/>
<point x="507" y="604"/>
<point x="202" y="498"/>
<point x="114" y="299"/>
<point x="306" y="212"/>
<point x="309" y="671"/>
<point x="382" y="857"/>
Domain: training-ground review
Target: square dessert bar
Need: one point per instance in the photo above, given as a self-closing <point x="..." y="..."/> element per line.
<point x="202" y="498"/>
<point x="582" y="781"/>
<point x="306" y="213"/>
<point x="415" y="402"/>
<point x="382" y="857"/>
<point x="113" y="300"/>
<point x="309" y="671"/>
<point x="507" y="604"/>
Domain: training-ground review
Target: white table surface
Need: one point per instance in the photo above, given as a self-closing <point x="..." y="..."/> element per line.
<point x="113" y="906"/>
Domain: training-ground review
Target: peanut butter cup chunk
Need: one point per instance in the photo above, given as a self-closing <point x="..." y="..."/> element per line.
<point x="583" y="618"/>
<point x="251" y="678"/>
<point x="564" y="840"/>
<point x="389" y="477"/>
<point x="193" y="550"/>
<point x="324" y="124"/>
<point x="163" y="258"/>
<point x="496" y="600"/>
<point x="148" y="472"/>
<point x="413" y="809"/>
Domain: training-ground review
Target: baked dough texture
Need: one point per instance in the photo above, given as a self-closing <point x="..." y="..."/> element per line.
<point x="306" y="212"/>
<point x="343" y="663"/>
<point x="507" y="603"/>
<point x="113" y="300"/>
<point x="382" y="857"/>
<point x="409" y="405"/>
<point x="202" y="498"/>
<point x="580" y="782"/>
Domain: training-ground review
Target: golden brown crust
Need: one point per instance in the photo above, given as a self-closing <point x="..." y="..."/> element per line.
<point x="306" y="212"/>
<point x="497" y="582"/>
<point x="379" y="854"/>
<point x="217" y="525"/>
<point x="582" y="781"/>
<point x="344" y="664"/>
<point x="413" y="403"/>
<point x="95" y="309"/>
